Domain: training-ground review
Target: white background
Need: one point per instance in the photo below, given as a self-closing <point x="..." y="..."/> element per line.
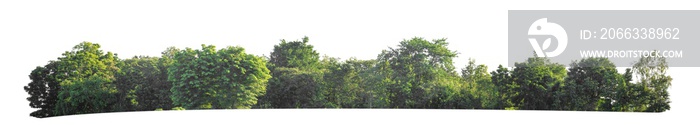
<point x="34" y="32"/>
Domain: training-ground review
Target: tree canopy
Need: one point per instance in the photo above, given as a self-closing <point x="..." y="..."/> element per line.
<point x="207" y="78"/>
<point x="417" y="73"/>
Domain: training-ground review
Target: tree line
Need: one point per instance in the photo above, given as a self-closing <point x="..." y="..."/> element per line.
<point x="418" y="73"/>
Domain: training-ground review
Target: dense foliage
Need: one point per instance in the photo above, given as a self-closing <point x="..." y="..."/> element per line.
<point x="220" y="79"/>
<point x="418" y="73"/>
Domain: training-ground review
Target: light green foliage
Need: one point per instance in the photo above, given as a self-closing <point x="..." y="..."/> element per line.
<point x="178" y="109"/>
<point x="223" y="79"/>
<point x="86" y="73"/>
<point x="87" y="60"/>
<point x="415" y="66"/>
<point x="480" y="85"/>
<point x="653" y="83"/>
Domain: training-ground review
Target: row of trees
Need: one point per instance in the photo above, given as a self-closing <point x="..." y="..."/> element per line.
<point x="416" y="74"/>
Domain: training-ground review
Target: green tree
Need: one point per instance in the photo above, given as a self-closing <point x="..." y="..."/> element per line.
<point x="338" y="91"/>
<point x="144" y="82"/>
<point x="353" y="84"/>
<point x="297" y="80"/>
<point x="156" y="94"/>
<point x="125" y="82"/>
<point x="43" y="90"/>
<point x="207" y="78"/>
<point x="85" y="60"/>
<point x="73" y="68"/>
<point x="413" y="68"/>
<point x="295" y="88"/>
<point x="538" y="80"/>
<point x="416" y="74"/>
<point x="628" y="96"/>
<point x="651" y="76"/>
<point x="590" y="85"/>
<point x="294" y="54"/>
<point x="95" y="94"/>
<point x="375" y="92"/>
<point x="480" y="85"/>
<point x="85" y="64"/>
<point x="453" y="92"/>
<point x="503" y="81"/>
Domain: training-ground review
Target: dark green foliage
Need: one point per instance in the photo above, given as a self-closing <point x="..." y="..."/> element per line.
<point x="143" y="83"/>
<point x="43" y="90"/>
<point x="295" y="88"/>
<point x="297" y="81"/>
<point x="537" y="82"/>
<point x="590" y="85"/>
<point x="502" y="80"/>
<point x="452" y="92"/>
<point x="95" y="94"/>
<point x="294" y="54"/>
<point x="353" y="84"/>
